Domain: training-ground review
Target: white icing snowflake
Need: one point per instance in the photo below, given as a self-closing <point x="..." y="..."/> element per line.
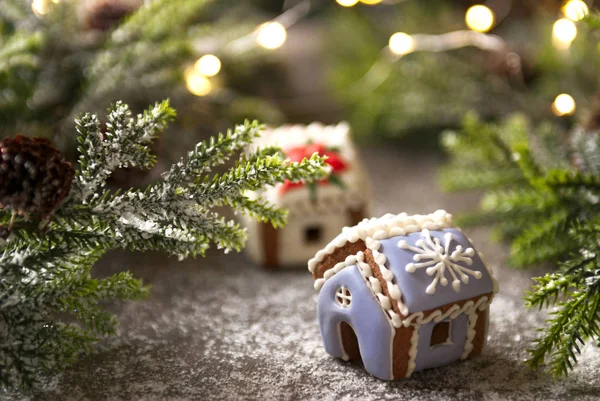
<point x="439" y="260"/>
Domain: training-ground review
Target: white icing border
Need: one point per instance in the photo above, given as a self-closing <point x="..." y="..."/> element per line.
<point x="386" y="226"/>
<point x="453" y="312"/>
<point x="412" y="353"/>
<point x="470" y="335"/>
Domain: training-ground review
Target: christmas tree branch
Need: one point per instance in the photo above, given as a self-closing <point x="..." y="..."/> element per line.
<point x="50" y="305"/>
<point x="549" y="212"/>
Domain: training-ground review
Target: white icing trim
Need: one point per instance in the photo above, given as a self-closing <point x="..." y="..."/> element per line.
<point x="375" y="286"/>
<point x="412" y="353"/>
<point x="452" y="313"/>
<point x="388" y="276"/>
<point x="350" y="260"/>
<point x="386" y="226"/>
<point x="470" y="335"/>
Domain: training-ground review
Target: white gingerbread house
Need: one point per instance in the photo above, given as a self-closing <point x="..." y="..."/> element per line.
<point x="315" y="214"/>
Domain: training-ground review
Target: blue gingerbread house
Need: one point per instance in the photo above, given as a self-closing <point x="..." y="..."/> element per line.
<point x="402" y="293"/>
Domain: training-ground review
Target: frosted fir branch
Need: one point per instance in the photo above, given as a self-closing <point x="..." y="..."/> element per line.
<point x="48" y="272"/>
<point x="252" y="176"/>
<point x="123" y="144"/>
<point x="211" y="153"/>
<point x="259" y="209"/>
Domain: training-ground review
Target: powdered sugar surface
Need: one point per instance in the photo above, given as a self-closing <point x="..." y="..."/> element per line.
<point x="221" y="329"/>
<point x="233" y="332"/>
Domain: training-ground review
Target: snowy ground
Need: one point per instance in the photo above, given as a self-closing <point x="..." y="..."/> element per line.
<point x="221" y="329"/>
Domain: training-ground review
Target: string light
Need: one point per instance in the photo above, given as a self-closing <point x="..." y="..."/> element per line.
<point x="208" y="65"/>
<point x="401" y="43"/>
<point x="563" y="105"/>
<point x="370" y="2"/>
<point x="271" y="35"/>
<point x="197" y="83"/>
<point x="575" y="10"/>
<point x="564" y="32"/>
<point x="347" y="3"/>
<point x="479" y="18"/>
<point x="40" y="7"/>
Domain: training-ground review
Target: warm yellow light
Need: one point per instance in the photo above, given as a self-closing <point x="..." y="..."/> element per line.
<point x="208" y="65"/>
<point x="563" y="32"/>
<point x="563" y="105"/>
<point x="479" y="18"/>
<point x="40" y="7"/>
<point x="197" y="83"/>
<point x="370" y="2"/>
<point x="401" y="43"/>
<point x="56" y="1"/>
<point x="575" y="10"/>
<point x="271" y="35"/>
<point x="347" y="3"/>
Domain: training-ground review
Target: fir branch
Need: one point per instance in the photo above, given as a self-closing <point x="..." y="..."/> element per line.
<point x="251" y="176"/>
<point x="211" y="153"/>
<point x="259" y="209"/>
<point x="124" y="144"/>
<point x="50" y="306"/>
<point x="550" y="214"/>
<point x="575" y="321"/>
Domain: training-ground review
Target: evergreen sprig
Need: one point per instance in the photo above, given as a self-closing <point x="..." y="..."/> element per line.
<point x="545" y="201"/>
<point x="50" y="304"/>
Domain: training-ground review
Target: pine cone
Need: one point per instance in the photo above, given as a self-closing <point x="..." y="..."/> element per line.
<point x="103" y="15"/>
<point x="34" y="176"/>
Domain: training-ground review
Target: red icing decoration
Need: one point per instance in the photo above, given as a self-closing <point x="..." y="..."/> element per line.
<point x="299" y="153"/>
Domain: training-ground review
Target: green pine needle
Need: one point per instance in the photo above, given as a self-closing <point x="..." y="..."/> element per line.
<point x="549" y="211"/>
<point x="51" y="306"/>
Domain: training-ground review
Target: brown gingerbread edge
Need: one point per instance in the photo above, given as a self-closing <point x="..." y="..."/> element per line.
<point x="480" y="332"/>
<point x="338" y="256"/>
<point x="270" y="245"/>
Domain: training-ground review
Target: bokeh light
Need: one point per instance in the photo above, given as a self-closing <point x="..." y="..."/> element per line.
<point x="563" y="105"/>
<point x="575" y="10"/>
<point x="197" y="83"/>
<point x="479" y="18"/>
<point x="40" y="7"/>
<point x="208" y="65"/>
<point x="347" y="3"/>
<point x="564" y="32"/>
<point x="401" y="43"/>
<point x="271" y="35"/>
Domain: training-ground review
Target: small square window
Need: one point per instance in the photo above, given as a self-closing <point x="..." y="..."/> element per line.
<point x="440" y="335"/>
<point x="313" y="234"/>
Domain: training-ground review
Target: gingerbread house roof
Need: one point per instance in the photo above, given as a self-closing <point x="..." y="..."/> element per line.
<point x="423" y="262"/>
<point x="355" y="193"/>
